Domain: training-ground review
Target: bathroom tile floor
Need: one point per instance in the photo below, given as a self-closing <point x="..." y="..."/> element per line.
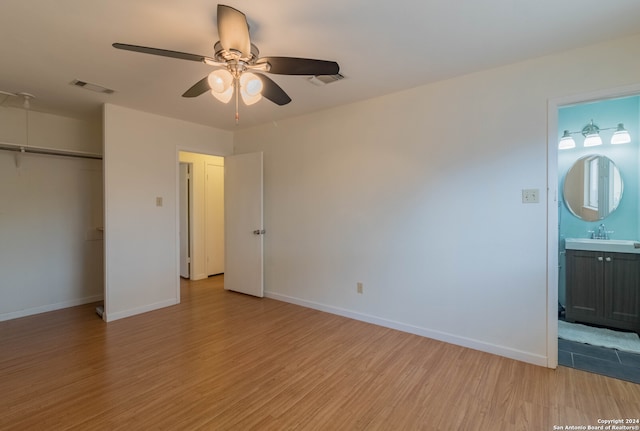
<point x="599" y="360"/>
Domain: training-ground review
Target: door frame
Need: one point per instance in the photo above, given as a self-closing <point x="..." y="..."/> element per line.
<point x="553" y="233"/>
<point x="189" y="216"/>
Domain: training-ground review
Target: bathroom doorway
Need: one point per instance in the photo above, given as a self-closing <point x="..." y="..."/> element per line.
<point x="598" y="198"/>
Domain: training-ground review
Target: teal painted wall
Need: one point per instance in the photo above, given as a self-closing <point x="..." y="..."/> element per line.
<point x="608" y="113"/>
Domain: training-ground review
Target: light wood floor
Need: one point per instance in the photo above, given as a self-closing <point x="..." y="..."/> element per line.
<point x="222" y="360"/>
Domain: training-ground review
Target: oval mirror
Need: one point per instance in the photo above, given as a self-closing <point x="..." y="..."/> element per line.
<point x="593" y="188"/>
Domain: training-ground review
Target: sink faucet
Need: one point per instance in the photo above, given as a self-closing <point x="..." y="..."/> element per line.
<point x="602" y="232"/>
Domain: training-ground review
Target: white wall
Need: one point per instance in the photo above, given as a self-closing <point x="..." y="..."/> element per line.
<point x="141" y="239"/>
<point x="50" y="208"/>
<point x="50" y="131"/>
<point x="418" y="195"/>
<point x="201" y="224"/>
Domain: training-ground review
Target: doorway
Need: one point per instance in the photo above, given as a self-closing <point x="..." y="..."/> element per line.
<point x="615" y="106"/>
<point x="239" y="220"/>
<point x="202" y="204"/>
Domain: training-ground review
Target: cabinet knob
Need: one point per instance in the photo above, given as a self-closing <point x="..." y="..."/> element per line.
<point x="600" y="259"/>
<point x="608" y="259"/>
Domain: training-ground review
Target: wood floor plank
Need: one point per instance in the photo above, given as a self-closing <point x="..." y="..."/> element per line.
<point x="225" y="361"/>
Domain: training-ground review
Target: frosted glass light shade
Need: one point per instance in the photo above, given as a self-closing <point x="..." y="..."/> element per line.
<point x="250" y="88"/>
<point x="566" y="142"/>
<point x="592" y="140"/>
<point x="220" y="81"/>
<point x="225" y="96"/>
<point x="620" y="136"/>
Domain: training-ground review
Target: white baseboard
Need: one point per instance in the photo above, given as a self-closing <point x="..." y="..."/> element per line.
<point x="50" y="307"/>
<point x="111" y="316"/>
<point x="482" y="346"/>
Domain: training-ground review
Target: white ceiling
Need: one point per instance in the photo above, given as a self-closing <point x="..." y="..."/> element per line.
<point x="382" y="47"/>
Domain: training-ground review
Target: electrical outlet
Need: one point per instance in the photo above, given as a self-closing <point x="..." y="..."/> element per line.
<point x="159" y="201"/>
<point x="359" y="287"/>
<point x="530" y="196"/>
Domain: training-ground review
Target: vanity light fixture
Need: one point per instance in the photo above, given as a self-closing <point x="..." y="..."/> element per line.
<point x="591" y="133"/>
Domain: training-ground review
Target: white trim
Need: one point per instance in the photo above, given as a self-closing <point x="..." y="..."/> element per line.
<point x="417" y="330"/>
<point x="50" y="307"/>
<point x="552" y="202"/>
<point x="133" y="311"/>
<point x="552" y="235"/>
<point x="594" y="96"/>
<point x="177" y="210"/>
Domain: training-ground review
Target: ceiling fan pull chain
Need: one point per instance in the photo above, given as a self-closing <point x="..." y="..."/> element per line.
<point x="237" y="90"/>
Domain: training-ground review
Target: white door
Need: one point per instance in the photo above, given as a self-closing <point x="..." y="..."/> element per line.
<point x="243" y="224"/>
<point x="185" y="233"/>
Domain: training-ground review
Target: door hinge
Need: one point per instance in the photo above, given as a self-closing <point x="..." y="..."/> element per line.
<point x="259" y="232"/>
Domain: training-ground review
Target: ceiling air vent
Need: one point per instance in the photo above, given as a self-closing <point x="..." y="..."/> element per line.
<point x="93" y="87"/>
<point x="321" y="80"/>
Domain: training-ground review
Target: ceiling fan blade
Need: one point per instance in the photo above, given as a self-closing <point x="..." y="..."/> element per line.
<point x="300" y="66"/>
<point x="272" y="91"/>
<point x="198" y="88"/>
<point x="163" y="52"/>
<point x="233" y="30"/>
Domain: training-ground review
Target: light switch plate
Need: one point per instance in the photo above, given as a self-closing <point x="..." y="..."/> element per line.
<point x="530" y="196"/>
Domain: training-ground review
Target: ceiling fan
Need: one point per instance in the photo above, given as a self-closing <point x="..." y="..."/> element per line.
<point x="239" y="65"/>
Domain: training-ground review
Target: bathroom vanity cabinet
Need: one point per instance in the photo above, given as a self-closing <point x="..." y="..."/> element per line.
<point x="603" y="288"/>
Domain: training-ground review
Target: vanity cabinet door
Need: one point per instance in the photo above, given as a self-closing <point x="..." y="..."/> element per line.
<point x="585" y="275"/>
<point x="603" y="289"/>
<point x="622" y="288"/>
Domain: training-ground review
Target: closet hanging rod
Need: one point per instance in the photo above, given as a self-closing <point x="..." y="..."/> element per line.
<point x="48" y="151"/>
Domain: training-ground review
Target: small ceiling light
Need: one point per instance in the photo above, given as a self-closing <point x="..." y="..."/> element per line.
<point x="26" y="99"/>
<point x="591" y="134"/>
<point x="221" y="84"/>
<point x="566" y="142"/>
<point x="620" y="136"/>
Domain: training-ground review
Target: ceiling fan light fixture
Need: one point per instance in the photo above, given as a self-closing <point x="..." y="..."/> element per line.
<point x="234" y="56"/>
